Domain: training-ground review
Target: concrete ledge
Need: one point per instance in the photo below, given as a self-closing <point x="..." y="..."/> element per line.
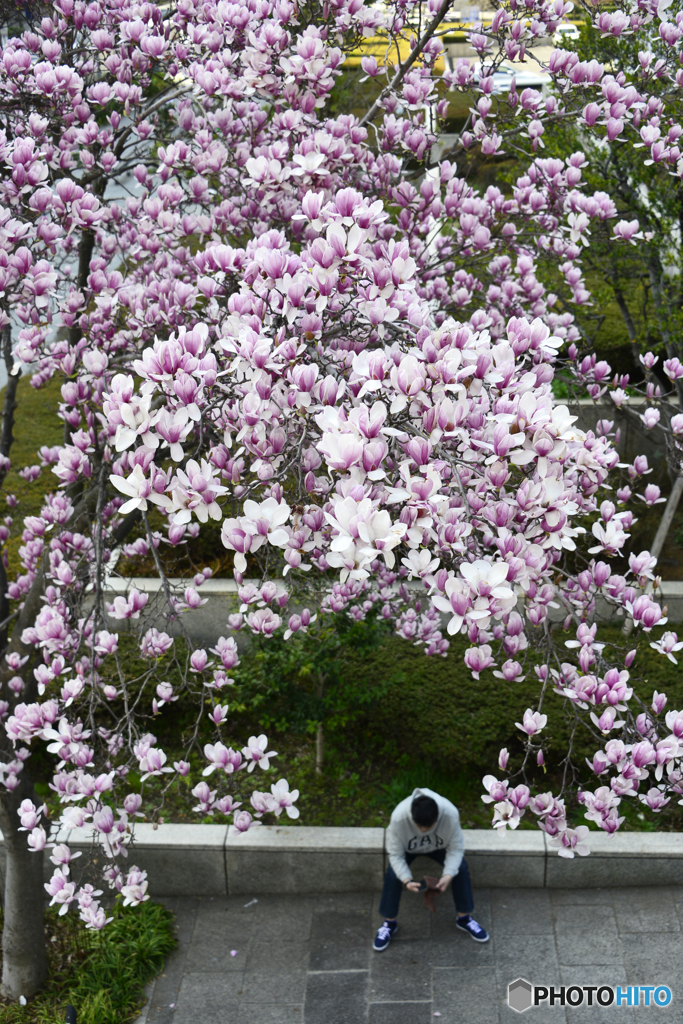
<point x="624" y="859"/>
<point x="181" y="860"/>
<point x="515" y="859"/>
<point x="301" y="859"/>
<point x="219" y="587"/>
<point x="204" y="860"/>
<point x="206" y="623"/>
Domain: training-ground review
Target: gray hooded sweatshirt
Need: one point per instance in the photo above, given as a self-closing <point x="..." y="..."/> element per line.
<point x="403" y="835"/>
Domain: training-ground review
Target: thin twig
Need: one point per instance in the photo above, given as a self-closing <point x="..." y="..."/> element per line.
<point x="408" y="62"/>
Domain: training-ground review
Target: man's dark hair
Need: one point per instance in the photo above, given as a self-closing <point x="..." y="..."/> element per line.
<point x="424" y="811"/>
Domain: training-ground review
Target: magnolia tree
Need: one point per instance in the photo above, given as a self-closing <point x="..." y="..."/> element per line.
<point x="629" y="133"/>
<point x="298" y="326"/>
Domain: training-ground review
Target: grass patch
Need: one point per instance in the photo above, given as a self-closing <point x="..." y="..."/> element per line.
<point x="102" y="973"/>
<point x="35" y="424"/>
<point x="426" y="723"/>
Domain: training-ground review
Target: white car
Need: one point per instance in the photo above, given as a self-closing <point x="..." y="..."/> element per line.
<point x="506" y="71"/>
<point x="566" y="33"/>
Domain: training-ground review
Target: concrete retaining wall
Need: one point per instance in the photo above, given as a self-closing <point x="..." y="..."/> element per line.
<point x="207" y="623"/>
<point x="204" y="860"/>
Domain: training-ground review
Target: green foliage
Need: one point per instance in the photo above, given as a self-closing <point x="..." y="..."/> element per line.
<point x="317" y="676"/>
<point x="431" y="724"/>
<point x="462" y="788"/>
<point x="439" y="712"/>
<point x="560" y="388"/>
<point x="101" y="974"/>
<point x="636" y="285"/>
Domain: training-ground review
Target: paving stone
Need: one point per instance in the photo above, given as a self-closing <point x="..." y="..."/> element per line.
<point x="216" y="934"/>
<point x="275" y="972"/>
<point x="578" y="897"/>
<point x="465" y="995"/>
<point x="166" y="987"/>
<point x="282" y="918"/>
<point x="232" y="908"/>
<point x="336" y="997"/>
<point x="269" y="1013"/>
<point x="514" y="911"/>
<point x="585" y="1014"/>
<point x="653" y="958"/>
<point x="400" y="1013"/>
<point x="185" y="909"/>
<point x="533" y="952"/>
<point x="640" y="910"/>
<point x="345" y="903"/>
<point x="587" y="935"/>
<point x="459" y="950"/>
<point x="407" y="954"/>
<point x="613" y="937"/>
<point x="673" y="1014"/>
<point x="339" y="941"/>
<point x="277" y="956"/>
<point x="676" y="895"/>
<point x="394" y="980"/>
<point x="207" y="998"/>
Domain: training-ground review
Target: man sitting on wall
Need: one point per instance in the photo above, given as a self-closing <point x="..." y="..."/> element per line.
<point x="426" y="823"/>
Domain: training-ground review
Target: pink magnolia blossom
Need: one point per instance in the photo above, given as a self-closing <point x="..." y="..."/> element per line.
<point x="571" y="842"/>
<point x="258" y="313"/>
<point x="256" y="753"/>
<point x="668" y="644"/>
<point x="533" y="722"/>
<point x="284" y="799"/>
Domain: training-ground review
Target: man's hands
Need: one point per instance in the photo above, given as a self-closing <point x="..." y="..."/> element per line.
<point x="441" y="885"/>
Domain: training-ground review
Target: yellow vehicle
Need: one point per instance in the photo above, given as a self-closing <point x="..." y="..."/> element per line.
<point x="454" y="30"/>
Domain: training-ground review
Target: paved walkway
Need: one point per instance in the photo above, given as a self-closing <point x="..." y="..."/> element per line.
<point x="307" y="959"/>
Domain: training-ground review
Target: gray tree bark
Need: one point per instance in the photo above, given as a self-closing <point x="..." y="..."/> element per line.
<point x="320" y="732"/>
<point x="319" y="749"/>
<point x="6" y="441"/>
<point x="24" y="959"/>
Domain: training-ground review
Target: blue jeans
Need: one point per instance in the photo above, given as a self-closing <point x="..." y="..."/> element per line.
<point x="461" y="887"/>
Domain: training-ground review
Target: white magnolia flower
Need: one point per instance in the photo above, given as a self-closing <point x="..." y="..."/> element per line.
<point x="137" y="487"/>
<point x="284" y="799"/>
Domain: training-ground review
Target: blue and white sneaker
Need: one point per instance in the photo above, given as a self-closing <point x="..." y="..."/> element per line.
<point x="474" y="930"/>
<point x="384" y="935"/>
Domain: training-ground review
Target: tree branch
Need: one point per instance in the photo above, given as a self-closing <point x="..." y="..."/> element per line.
<point x="409" y="61"/>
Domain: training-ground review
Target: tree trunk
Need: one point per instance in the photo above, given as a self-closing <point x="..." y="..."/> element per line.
<point x="86" y="247"/>
<point x="6" y="442"/>
<point x="10" y="403"/>
<point x="320" y="734"/>
<point x="319" y="749"/>
<point x="661" y="534"/>
<point x="24" y="959"/>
